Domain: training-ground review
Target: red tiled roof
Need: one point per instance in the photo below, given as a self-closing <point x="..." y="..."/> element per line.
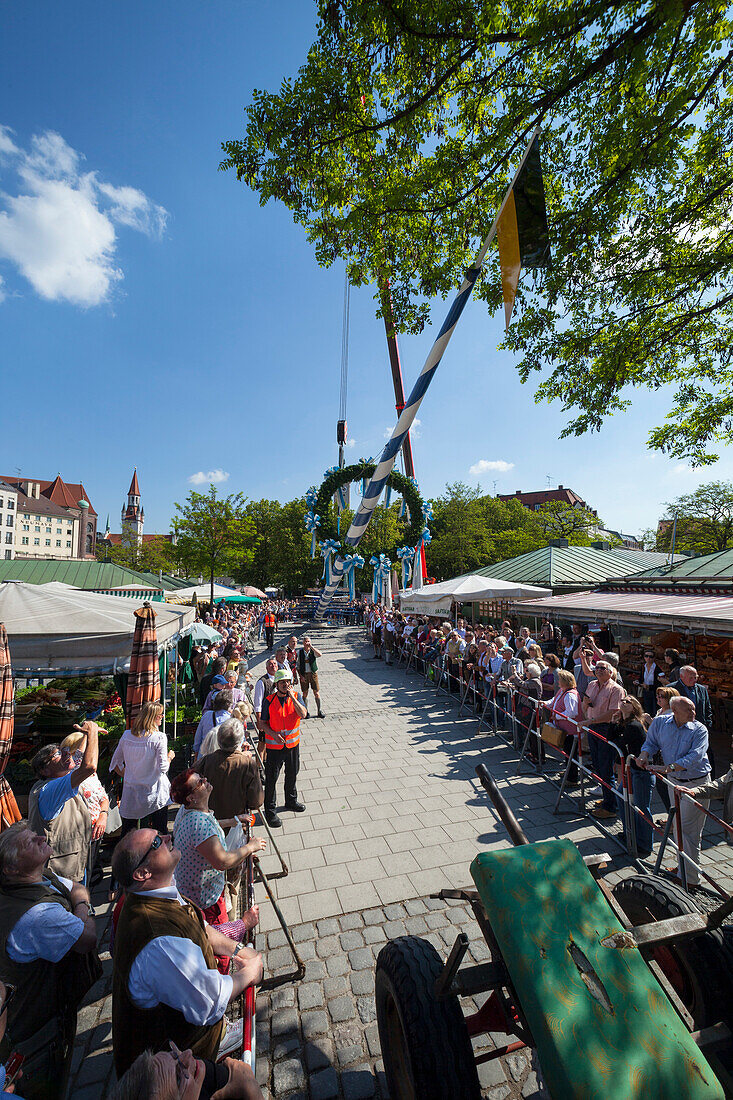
<point x="115" y="539"/>
<point x="543" y="496"/>
<point x="66" y="494"/>
<point x="134" y="489"/>
<point x="41" y="507"/>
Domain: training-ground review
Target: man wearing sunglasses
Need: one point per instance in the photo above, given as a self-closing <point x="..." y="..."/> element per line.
<point x="45" y="926"/>
<point x="165" y="984"/>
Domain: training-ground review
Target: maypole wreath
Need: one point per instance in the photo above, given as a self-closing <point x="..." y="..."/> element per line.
<point x="319" y="513"/>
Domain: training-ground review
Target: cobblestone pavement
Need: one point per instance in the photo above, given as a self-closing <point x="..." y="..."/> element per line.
<point x="394" y="813"/>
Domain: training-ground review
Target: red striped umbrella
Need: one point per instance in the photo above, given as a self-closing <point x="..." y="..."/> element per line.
<point x="9" y="812"/>
<point x="143" y="685"/>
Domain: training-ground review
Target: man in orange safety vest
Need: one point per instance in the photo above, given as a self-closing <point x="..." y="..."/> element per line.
<point x="280" y="719"/>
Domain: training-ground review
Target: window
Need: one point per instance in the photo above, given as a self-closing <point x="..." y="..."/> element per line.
<point x="37" y="529"/>
<point x="11" y="503"/>
<point x="26" y="527"/>
<point x="58" y="542"/>
<point x="48" y="530"/>
<point x="10" y="521"/>
<point x="89" y="544"/>
<point x="90" y="528"/>
<point x="8" y="555"/>
<point x="24" y="542"/>
<point x="26" y="516"/>
<point x="48" y="542"/>
<point x="58" y="530"/>
<point x="36" y="542"/>
<point x="68" y="544"/>
<point x="1" y="502"/>
<point x="9" y="537"/>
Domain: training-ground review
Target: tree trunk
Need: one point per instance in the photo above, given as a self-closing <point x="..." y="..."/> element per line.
<point x="212" y="588"/>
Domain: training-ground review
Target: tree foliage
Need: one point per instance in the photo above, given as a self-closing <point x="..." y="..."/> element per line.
<point x="704" y="520"/>
<point x="214" y="534"/>
<point x="394" y="143"/>
<point x="559" y="520"/>
<point x="151" y="556"/>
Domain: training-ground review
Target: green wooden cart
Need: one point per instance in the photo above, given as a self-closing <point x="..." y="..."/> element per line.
<point x="609" y="999"/>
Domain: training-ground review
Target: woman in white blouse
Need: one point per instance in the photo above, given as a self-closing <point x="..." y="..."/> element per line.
<point x="142" y="759"/>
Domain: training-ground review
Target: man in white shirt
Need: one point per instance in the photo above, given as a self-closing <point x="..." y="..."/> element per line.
<point x="165" y="981"/>
<point x="45" y="926"/>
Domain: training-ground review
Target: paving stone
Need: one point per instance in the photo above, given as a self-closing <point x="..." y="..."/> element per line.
<point x="435" y="920"/>
<point x="362" y="982"/>
<point x="518" y="1064"/>
<point x="276" y="938"/>
<point x="303" y="932"/>
<point x="287" y="1076"/>
<point x="328" y="927"/>
<point x="491" y="1073"/>
<point x="285" y="1023"/>
<point x="318" y="1053"/>
<point x="283" y="1049"/>
<point x="394" y="928"/>
<point x="361" y="959"/>
<point x="416" y="926"/>
<point x="337" y="964"/>
<point x="415" y="906"/>
<point x="324" y="1085"/>
<point x="350" y="921"/>
<point x="367" y="1009"/>
<point x="310" y="995"/>
<point x="373" y="916"/>
<point x="280" y="957"/>
<point x="335" y="987"/>
<point x="315" y="970"/>
<point x="350" y="940"/>
<point x="328" y="946"/>
<point x="394" y="912"/>
<point x="374" y="935"/>
<point x="358" y="1083"/>
<point x="314" y="1023"/>
<point x="372" y="1038"/>
<point x="500" y="1093"/>
<point x="435" y="904"/>
<point x="349" y="1054"/>
<point x="341" y="1008"/>
<point x="531" y="1088"/>
<point x="282" y="998"/>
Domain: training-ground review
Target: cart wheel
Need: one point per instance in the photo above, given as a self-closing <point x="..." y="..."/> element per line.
<point x="425" y="1043"/>
<point x="699" y="970"/>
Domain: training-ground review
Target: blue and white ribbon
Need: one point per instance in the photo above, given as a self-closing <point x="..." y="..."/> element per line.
<point x="352" y="562"/>
<point x="427" y="511"/>
<point x="406" y="554"/>
<point x="391" y="449"/>
<point x="311" y="497"/>
<point x="328" y="548"/>
<point x="312" y="522"/>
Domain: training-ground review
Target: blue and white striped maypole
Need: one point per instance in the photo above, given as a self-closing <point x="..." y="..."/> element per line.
<point x="370" y="499"/>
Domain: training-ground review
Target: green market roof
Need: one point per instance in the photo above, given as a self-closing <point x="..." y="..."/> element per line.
<point x="565" y="567"/>
<point x="90" y="575"/>
<point x="718" y="566"/>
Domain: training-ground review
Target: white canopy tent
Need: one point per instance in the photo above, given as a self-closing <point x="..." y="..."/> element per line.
<point x="203" y="592"/>
<point x="56" y="627"/>
<point x="437" y="599"/>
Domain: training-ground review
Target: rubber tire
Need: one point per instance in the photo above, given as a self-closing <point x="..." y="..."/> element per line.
<point x="438" y="1056"/>
<point x="706" y="961"/>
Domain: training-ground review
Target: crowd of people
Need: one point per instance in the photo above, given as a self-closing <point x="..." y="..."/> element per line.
<point x="179" y="947"/>
<point x="657" y="726"/>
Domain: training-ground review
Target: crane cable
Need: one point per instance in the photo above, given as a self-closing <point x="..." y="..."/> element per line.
<point x="345" y="348"/>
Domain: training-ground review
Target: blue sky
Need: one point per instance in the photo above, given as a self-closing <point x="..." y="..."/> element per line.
<point x="153" y="314"/>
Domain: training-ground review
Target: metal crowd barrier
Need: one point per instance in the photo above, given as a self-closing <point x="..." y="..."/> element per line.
<point x="485" y="693"/>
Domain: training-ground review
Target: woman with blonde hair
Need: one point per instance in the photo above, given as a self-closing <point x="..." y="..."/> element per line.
<point x="142" y="759"/>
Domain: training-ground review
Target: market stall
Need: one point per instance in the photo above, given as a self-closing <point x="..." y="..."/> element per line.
<point x="438" y="599"/>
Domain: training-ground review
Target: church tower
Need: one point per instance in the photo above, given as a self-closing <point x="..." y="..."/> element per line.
<point x="133" y="515"/>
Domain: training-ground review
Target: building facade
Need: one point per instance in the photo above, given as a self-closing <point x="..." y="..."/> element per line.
<point x="53" y="519"/>
<point x="8" y="508"/>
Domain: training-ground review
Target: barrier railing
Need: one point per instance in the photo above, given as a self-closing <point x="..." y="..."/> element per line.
<point x="495" y="701"/>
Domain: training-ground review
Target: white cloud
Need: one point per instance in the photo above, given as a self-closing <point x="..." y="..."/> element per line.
<point x="680" y="468"/>
<point x="495" y="466"/>
<point x="213" y="477"/>
<point x="350" y="443"/>
<point x="58" y="228"/>
<point x="415" y="432"/>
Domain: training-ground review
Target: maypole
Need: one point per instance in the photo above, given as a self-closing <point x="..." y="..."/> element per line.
<point x="386" y="462"/>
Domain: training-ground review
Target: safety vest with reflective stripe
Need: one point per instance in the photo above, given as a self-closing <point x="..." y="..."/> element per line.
<point x="283" y="719"/>
<point x="270" y="619"/>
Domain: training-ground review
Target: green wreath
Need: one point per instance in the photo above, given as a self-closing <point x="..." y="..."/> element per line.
<point x="356" y="472"/>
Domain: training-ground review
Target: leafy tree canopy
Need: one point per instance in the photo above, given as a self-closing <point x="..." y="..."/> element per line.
<point x="559" y="520"/>
<point x="395" y="142"/>
<point x="704" y="520"/>
<point x="214" y="534"/>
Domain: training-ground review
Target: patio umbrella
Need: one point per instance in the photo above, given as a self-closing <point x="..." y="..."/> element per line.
<point x="9" y="812"/>
<point x="250" y="590"/>
<point x="143" y="685"/>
